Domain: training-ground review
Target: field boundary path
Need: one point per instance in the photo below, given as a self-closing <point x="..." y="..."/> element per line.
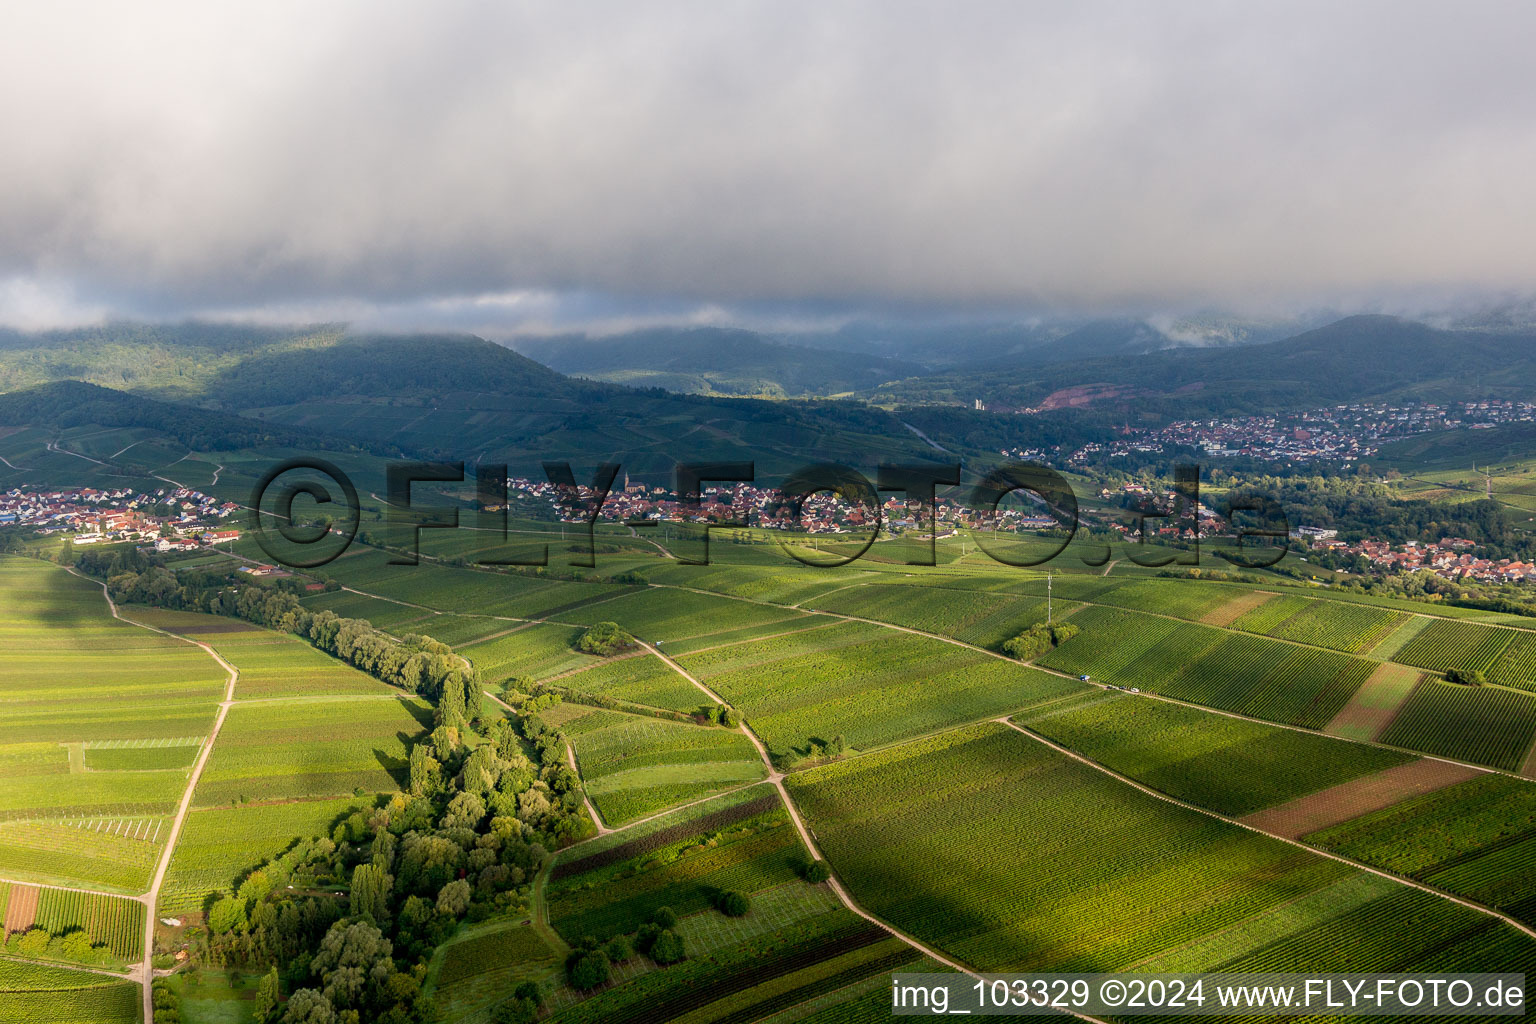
<point x="597" y="819"/>
<point x="146" y="970"/>
<point x="776" y="779"/>
<point x="1159" y="795"/>
<point x="570" y="759"/>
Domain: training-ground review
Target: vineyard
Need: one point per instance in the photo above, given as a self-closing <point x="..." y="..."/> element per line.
<point x="480" y="969"/>
<point x="274" y="665"/>
<point x="660" y="614"/>
<point x="73" y="680"/>
<point x="1476" y="839"/>
<point x="316" y="748"/>
<point x="635" y="766"/>
<point x="1272" y="613"/>
<point x="1248" y="674"/>
<point x="1517" y="665"/>
<point x="866" y="683"/>
<point x="540" y="650"/>
<point x="747" y="855"/>
<point x="219" y="846"/>
<point x="642" y="679"/>
<point x="1229" y="765"/>
<point x="93" y="1000"/>
<point x="1444" y="644"/>
<point x="980" y="618"/>
<point x="111" y="921"/>
<point x="1372" y="937"/>
<point x="81" y="852"/>
<point x="1099" y="876"/>
<point x="1191" y="599"/>
<point x="1350" y="628"/>
<point x="1482" y="725"/>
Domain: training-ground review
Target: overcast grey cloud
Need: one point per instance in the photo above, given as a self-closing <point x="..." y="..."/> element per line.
<point x="512" y="161"/>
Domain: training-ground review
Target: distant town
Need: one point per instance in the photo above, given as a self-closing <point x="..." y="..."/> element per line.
<point x="182" y="519"/>
<point x="170" y="518"/>
<point x="1340" y="433"/>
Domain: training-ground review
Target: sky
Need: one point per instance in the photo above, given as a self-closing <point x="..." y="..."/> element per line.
<point x="508" y="167"/>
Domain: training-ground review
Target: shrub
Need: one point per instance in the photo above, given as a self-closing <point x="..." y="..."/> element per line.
<point x="733" y="904"/>
<point x="604" y="639"/>
<point x="816" y="872"/>
<point x="588" y="970"/>
<point x="664" y="918"/>
<point x="618" y="949"/>
<point x="668" y="948"/>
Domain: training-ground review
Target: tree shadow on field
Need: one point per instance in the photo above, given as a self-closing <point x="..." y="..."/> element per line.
<point x="423" y="715"/>
<point x="399" y="768"/>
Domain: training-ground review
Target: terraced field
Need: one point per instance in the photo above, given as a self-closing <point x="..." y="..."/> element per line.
<point x="866" y="683"/>
<point x="1483" y="725"/>
<point x="1102" y="877"/>
<point x="635" y="766"/>
<point x="1226" y="764"/>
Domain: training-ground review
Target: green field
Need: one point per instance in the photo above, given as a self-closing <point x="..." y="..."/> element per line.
<point x="1483" y="725"/>
<point x="866" y="683"/>
<point x="1252" y="675"/>
<point x="89" y="706"/>
<point x="1101" y="877"/>
<point x="220" y="845"/>
<point x="641" y="679"/>
<point x="634" y="766"/>
<point x="314" y="748"/>
<point x="683" y="861"/>
<point x="1476" y="839"/>
<point x="1229" y="765"/>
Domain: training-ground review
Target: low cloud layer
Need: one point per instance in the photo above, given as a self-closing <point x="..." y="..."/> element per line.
<point x="517" y="161"/>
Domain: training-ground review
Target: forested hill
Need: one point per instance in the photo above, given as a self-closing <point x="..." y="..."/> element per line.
<point x="1354" y="359"/>
<point x="716" y="360"/>
<point x="62" y="404"/>
<point x="433" y="396"/>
